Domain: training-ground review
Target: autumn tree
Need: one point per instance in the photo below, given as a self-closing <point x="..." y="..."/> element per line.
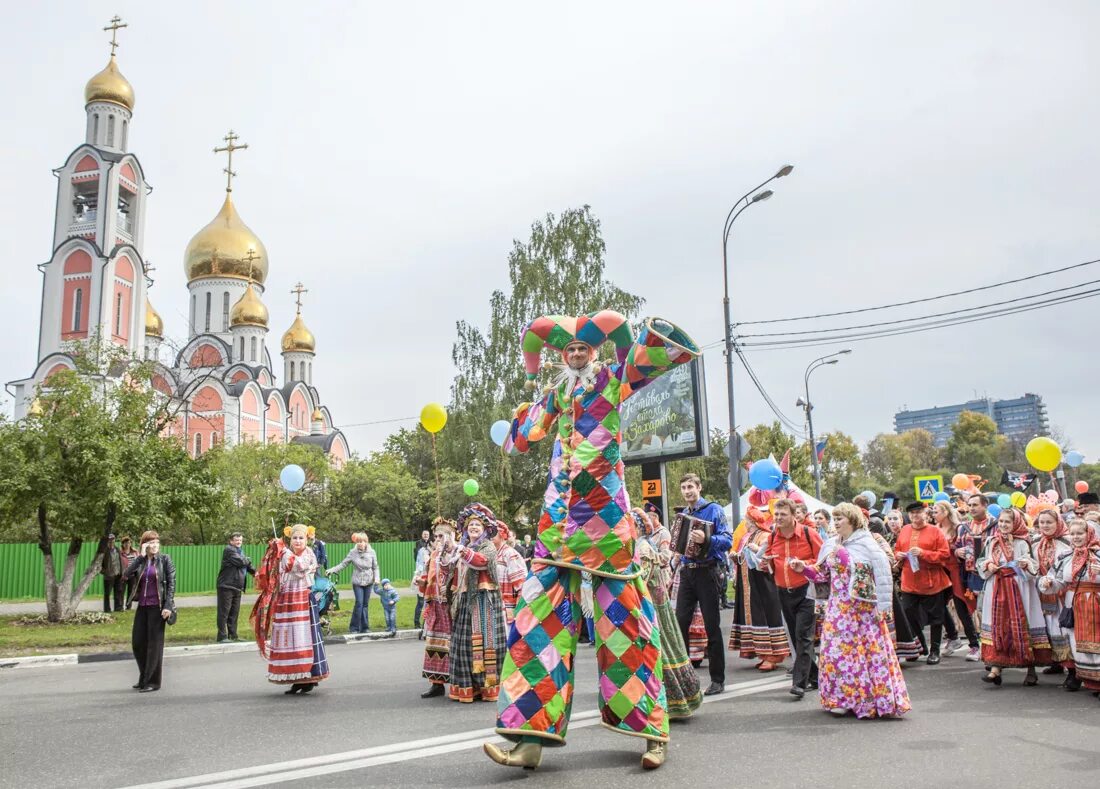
<point x="975" y="446"/>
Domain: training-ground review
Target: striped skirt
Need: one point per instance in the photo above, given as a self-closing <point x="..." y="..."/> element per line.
<point x="477" y="646"/>
<point x="681" y="682"/>
<point x="437" y="642"/>
<point x="1085" y="636"/>
<point x="757" y="630"/>
<point x="296" y="650"/>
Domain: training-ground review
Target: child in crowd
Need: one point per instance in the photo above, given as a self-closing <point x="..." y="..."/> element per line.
<point x="389" y="597"/>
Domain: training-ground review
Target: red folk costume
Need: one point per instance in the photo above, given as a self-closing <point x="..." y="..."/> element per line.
<point x="435" y="586"/>
<point x="511" y="573"/>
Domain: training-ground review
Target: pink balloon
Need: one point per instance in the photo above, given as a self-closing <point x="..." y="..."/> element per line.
<point x="1081" y="487"/>
<point x="1051" y="496"/>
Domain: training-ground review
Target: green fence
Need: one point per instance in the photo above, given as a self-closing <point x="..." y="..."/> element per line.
<point x="196" y="565"/>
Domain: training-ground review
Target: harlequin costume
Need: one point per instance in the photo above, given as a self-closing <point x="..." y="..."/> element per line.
<point x="435" y="586"/>
<point x="585" y="525"/>
<point x="478" y="638"/>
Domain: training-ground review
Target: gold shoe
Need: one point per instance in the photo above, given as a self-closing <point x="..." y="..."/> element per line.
<point x="527" y="755"/>
<point x="655" y="754"/>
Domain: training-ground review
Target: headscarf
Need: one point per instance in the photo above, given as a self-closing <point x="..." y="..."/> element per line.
<point x="1081" y="555"/>
<point x="862" y="548"/>
<point x="642" y="522"/>
<point x="1045" y="547"/>
<point x="1019" y="532"/>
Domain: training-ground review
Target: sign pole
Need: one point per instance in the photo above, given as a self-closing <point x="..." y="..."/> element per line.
<point x="653" y="488"/>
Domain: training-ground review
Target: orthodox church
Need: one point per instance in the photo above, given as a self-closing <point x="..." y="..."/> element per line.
<point x="221" y="380"/>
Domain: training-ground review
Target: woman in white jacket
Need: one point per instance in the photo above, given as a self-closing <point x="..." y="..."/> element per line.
<point x="363" y="578"/>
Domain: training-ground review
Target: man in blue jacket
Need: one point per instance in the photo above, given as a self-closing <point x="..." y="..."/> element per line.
<point x="231" y="580"/>
<point x="700" y="581"/>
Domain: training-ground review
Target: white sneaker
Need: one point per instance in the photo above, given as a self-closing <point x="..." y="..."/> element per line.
<point x="974" y="655"/>
<point x="951" y="647"/>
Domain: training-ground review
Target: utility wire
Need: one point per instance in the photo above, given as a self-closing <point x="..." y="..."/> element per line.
<point x="787" y="422"/>
<point x="923" y="300"/>
<point x="921" y="317"/>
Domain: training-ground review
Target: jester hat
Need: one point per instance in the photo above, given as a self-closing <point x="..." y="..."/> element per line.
<point x="557" y="331"/>
<point x="479" y="512"/>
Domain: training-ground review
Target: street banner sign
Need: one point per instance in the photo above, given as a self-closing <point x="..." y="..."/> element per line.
<point x="926" y="488"/>
<point x="668" y="419"/>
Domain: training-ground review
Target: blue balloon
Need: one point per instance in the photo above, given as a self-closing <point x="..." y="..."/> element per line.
<point x="1074" y="459"/>
<point x="941" y="496"/>
<point x="1004" y="501"/>
<point x="292" y="478"/>
<point x="499" y="431"/>
<point x="994" y="511"/>
<point x="765" y="474"/>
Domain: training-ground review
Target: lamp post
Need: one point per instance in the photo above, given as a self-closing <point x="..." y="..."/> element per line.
<point x="808" y="407"/>
<point x="749" y="198"/>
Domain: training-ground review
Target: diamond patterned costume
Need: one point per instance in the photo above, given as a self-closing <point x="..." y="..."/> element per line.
<point x="586" y="525"/>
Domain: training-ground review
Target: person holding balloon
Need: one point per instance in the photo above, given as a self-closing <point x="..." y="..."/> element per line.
<point x="1014" y="633"/>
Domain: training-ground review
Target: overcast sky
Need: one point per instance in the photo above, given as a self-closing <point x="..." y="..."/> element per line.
<point x="396" y="149"/>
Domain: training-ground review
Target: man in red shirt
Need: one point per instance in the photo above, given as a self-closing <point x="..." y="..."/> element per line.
<point x="922" y="589"/>
<point x="793" y="540"/>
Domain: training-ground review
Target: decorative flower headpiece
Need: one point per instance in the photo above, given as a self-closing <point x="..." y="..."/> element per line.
<point x="479" y="512"/>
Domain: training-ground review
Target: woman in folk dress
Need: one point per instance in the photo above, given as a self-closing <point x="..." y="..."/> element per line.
<point x="1077" y="575"/>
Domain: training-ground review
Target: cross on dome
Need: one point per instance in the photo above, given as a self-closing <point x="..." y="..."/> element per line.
<point x="297" y="292"/>
<point x="116" y="25"/>
<point x="228" y="148"/>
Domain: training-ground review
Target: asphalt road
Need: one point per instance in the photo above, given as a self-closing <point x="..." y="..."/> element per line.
<point x="217" y="722"/>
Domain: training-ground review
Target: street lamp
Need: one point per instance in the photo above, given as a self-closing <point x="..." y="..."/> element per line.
<point x="749" y="198"/>
<point x="808" y="407"/>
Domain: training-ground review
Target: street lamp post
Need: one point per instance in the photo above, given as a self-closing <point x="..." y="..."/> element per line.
<point x="809" y="408"/>
<point x="734" y="444"/>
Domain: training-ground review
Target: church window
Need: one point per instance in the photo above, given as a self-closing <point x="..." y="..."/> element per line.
<point x="252" y="349"/>
<point x="118" y="314"/>
<point x="95" y="128"/>
<point x="240" y="357"/>
<point x="123" y="146"/>
<point x="207" y="312"/>
<point x="110" y="131"/>
<point x="225" y="311"/>
<point x="192" y="312"/>
<point x="198" y="444"/>
<point x="78" y="306"/>
<point x="292" y="371"/>
<point x="213" y="439"/>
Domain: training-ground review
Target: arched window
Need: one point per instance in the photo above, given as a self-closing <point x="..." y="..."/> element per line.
<point x="225" y="311"/>
<point x="198" y="444"/>
<point x="118" y="314"/>
<point x="193" y="311"/>
<point x="252" y="348"/>
<point x="95" y="129"/>
<point x="208" y="294"/>
<point x="292" y="371"/>
<point x="240" y="357"/>
<point x="78" y="308"/>
<point x="110" y="131"/>
<point x="123" y="146"/>
<point x="213" y="439"/>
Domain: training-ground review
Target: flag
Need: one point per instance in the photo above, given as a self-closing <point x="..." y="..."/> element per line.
<point x="1018" y="480"/>
<point x="819" y="449"/>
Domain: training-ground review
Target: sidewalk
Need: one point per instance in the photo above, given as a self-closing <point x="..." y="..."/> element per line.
<point x="188" y="601"/>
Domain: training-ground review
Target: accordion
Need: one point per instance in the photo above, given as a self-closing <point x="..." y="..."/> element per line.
<point x="682" y="526"/>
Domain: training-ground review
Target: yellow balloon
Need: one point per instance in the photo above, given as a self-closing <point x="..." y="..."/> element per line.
<point x="433" y="417"/>
<point x="1018" y="499"/>
<point x="1043" y="454"/>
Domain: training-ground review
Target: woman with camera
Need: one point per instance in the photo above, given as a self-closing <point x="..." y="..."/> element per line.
<point x="155" y="596"/>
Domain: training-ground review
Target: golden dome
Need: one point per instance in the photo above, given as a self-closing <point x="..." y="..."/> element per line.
<point x="154" y="325"/>
<point x="298" y="337"/>
<point x="35" y="408"/>
<point x="221" y="249"/>
<point x="249" y="310"/>
<point x="109" y="85"/>
<point x="317" y="415"/>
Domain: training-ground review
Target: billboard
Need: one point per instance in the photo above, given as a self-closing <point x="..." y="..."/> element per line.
<point x="667" y="420"/>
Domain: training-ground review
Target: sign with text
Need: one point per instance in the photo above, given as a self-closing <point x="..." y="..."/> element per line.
<point x="667" y="420"/>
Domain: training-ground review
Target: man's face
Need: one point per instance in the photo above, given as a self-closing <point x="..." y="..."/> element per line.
<point x="784" y="518"/>
<point x="236" y="541"/>
<point x="527" y="539"/>
<point x="424" y="536"/>
<point x="577" y="355"/>
<point x="977" y="507"/>
<point x="916" y="517"/>
<point x="690" y="491"/>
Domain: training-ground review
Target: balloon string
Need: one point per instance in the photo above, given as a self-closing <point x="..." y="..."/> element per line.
<point x="438" y="492"/>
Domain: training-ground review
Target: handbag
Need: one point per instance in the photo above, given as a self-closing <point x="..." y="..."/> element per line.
<point x="1065" y="616"/>
<point x="171" y="620"/>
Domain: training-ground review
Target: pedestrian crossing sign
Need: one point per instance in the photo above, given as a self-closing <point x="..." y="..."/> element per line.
<point x="927" y="487"/>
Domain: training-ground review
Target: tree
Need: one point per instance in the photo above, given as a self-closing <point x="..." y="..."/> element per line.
<point x="773" y="440"/>
<point x="559" y="271"/>
<point x="96" y="460"/>
<point x="891" y="459"/>
<point x="842" y="474"/>
<point x="975" y="446"/>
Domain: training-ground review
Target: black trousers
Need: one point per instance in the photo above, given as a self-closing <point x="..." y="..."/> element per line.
<point x="700" y="586"/>
<point x="113" y="587"/>
<point x="148" y="643"/>
<point x="965" y="617"/>
<point x="229" y="609"/>
<point x="925" y="610"/>
<point x="798" y="613"/>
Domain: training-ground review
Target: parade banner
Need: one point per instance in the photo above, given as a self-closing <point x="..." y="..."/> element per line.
<point x="668" y="419"/>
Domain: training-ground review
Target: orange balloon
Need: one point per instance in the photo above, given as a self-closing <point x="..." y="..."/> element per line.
<point x="961" y="481"/>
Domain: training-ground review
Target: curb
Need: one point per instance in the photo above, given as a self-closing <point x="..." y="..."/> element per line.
<point x="190" y="650"/>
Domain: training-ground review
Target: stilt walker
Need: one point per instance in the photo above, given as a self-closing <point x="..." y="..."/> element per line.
<point x="585" y="525"/>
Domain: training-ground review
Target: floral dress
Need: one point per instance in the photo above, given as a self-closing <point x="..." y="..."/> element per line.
<point x="858" y="668"/>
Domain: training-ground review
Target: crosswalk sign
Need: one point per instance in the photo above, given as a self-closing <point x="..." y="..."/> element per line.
<point x="926" y="488"/>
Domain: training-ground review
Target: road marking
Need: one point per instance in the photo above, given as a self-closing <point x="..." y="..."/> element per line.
<point x="310" y="767"/>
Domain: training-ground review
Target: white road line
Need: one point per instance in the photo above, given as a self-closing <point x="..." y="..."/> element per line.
<point x="297" y="769"/>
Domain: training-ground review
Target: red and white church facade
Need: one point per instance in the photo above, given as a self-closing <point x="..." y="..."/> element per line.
<point x="220" y="373"/>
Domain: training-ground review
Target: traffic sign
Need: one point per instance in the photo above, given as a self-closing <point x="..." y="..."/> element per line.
<point x="926" y="488"/>
<point x="651" y="488"/>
